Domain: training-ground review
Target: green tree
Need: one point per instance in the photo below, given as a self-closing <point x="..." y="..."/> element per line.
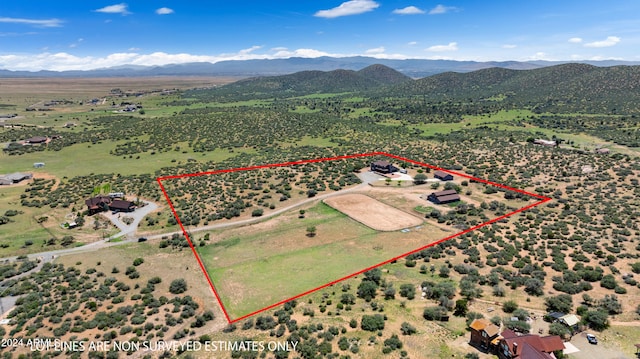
<point x="534" y="286"/>
<point x="372" y="323"/>
<point x="420" y="178"/>
<point x="509" y="306"/>
<point x="257" y="212"/>
<point x="393" y="343"/>
<point x="610" y="304"/>
<point x="518" y="326"/>
<point x="444" y="271"/>
<point x="461" y="308"/>
<point x="367" y="290"/>
<point x="469" y="289"/>
<point x="138" y="261"/>
<point x="596" y="319"/>
<point x="407" y="329"/>
<point x="389" y="292"/>
<point x="407" y="291"/>
<point x="608" y="281"/>
<point x="434" y="312"/>
<point x="311" y="231"/>
<point x="374" y="275"/>
<point x="562" y="303"/>
<point x="559" y="329"/>
<point x="178" y="286"/>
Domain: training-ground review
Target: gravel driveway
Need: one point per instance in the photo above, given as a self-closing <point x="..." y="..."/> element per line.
<point x="597" y="351"/>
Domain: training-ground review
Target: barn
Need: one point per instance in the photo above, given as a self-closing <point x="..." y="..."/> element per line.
<point x="383" y="167"/>
<point x="443" y="176"/>
<point x="442" y="197"/>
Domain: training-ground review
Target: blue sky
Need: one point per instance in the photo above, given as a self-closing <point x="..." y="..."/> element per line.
<point x="64" y="35"/>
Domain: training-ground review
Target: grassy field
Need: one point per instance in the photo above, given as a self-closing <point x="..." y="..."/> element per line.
<point x="84" y="159"/>
<point x="255" y="267"/>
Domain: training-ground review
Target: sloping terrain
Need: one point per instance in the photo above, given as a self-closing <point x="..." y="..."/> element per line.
<point x="568" y="87"/>
<point x="310" y="82"/>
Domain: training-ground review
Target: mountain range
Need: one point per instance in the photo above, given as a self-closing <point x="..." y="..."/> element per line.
<point x="415" y="68"/>
<point x="567" y="87"/>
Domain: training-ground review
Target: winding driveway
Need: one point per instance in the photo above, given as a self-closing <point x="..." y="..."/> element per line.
<point x="129" y="231"/>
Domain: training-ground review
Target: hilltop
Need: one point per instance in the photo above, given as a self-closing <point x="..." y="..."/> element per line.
<point x="311" y="82"/>
<point x="566" y="87"/>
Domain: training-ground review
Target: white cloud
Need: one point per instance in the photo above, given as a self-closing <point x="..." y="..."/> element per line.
<point x="540" y="56"/>
<point x="63" y="61"/>
<point x="75" y="44"/>
<point x="441" y="9"/>
<point x="609" y="41"/>
<point x="509" y="46"/>
<point x="412" y="43"/>
<point x="409" y="10"/>
<point x="377" y="50"/>
<point x="115" y="9"/>
<point x="249" y="50"/>
<point x="575" y="40"/>
<point x="452" y="46"/>
<point x="33" y="22"/>
<point x="164" y="11"/>
<point x="309" y="53"/>
<point x="352" y="7"/>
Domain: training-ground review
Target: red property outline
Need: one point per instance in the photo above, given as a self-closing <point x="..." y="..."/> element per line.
<point x="542" y="199"/>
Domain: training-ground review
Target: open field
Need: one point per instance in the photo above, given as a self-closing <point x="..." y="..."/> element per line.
<point x="33" y="87"/>
<point x="372" y="213"/>
<point x="96" y="158"/>
<point x="255" y="267"/>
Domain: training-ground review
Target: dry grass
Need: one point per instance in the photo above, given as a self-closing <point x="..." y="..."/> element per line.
<point x="17" y="87"/>
<point x="372" y="213"/>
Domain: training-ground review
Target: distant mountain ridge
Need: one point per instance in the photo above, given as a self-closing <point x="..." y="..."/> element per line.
<point x="566" y="88"/>
<point x="309" y="82"/>
<point x="415" y="68"/>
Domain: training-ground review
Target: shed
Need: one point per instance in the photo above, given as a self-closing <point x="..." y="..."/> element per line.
<point x="36" y="139"/>
<point x="571" y="321"/>
<point x="442" y="197"/>
<point x="122" y="206"/>
<point x="443" y="176"/>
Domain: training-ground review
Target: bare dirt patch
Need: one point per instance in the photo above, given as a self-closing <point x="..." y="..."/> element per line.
<point x="373" y="213"/>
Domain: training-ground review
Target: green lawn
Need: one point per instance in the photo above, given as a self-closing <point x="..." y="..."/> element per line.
<point x="84" y="159"/>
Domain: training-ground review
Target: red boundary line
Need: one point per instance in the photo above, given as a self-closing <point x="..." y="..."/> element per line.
<point x="542" y="199"/>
